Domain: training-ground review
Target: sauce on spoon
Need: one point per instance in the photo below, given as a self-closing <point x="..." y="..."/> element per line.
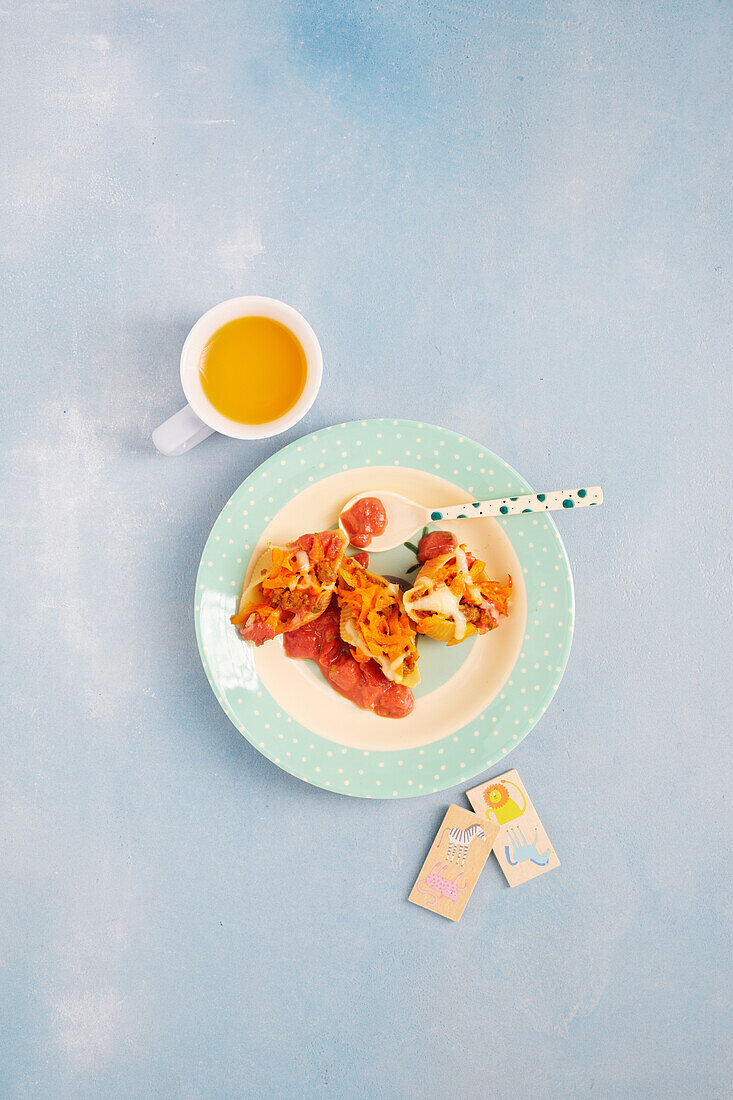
<point x="365" y="519"/>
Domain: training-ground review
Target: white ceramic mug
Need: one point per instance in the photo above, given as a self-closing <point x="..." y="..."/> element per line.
<point x="199" y="419"/>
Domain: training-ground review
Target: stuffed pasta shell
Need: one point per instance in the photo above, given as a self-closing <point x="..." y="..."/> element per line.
<point x="290" y="586"/>
<point x="453" y="598"/>
<point x="373" y="622"/>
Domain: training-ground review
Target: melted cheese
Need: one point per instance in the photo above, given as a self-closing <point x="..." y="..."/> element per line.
<point x="472" y="590"/>
<point x="303" y="561"/>
<point x="462" y="564"/>
<point x="442" y="602"/>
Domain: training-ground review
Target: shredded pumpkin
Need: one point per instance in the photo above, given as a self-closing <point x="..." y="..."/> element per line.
<point x="379" y="617"/>
<point x="286" y="572"/>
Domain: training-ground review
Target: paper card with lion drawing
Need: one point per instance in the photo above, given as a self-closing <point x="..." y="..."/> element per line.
<point x="454" y="863"/>
<point x="522" y="846"/>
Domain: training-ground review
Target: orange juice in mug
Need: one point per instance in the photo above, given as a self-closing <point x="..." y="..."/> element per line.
<point x="251" y="367"/>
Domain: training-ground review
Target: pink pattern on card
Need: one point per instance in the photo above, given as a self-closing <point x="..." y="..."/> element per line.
<point x="438" y="886"/>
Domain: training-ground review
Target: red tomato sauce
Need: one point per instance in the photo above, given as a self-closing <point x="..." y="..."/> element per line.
<point x="364" y="684"/>
<point x="329" y="541"/>
<point x="434" y="544"/>
<point x="364" y="520"/>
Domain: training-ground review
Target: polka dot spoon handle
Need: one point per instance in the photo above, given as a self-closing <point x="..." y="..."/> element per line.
<point x="557" y="501"/>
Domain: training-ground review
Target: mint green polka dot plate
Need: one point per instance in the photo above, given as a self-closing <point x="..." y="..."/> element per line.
<point x="475" y="702"/>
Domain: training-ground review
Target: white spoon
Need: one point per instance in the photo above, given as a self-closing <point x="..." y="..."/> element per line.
<point x="405" y="517"/>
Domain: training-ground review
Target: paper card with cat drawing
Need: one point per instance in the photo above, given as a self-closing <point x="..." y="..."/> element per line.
<point x="454" y="863"/>
<point x="522" y="846"/>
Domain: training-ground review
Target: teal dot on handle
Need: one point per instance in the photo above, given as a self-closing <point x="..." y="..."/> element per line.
<point x="540" y="496"/>
<point x="526" y="510"/>
<point x="462" y="515"/>
<point x="568" y="503"/>
<point x="476" y="504"/>
<point x="436" y="515"/>
<point x="582" y="493"/>
<point x="504" y="510"/>
<point x="514" y="498"/>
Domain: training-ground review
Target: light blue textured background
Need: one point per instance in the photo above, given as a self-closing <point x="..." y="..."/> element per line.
<point x="506" y="217"/>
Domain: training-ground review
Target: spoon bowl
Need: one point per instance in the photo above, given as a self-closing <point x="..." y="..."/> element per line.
<point x="404" y="517"/>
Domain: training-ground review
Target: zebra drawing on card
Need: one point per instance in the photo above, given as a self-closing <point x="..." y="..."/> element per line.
<point x="459" y="840"/>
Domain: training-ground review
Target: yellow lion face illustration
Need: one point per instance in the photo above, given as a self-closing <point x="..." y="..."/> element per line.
<point x="496" y="795"/>
<point x="499" y="805"/>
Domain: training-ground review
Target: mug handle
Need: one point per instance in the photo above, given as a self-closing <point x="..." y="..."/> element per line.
<point x="180" y="432"/>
